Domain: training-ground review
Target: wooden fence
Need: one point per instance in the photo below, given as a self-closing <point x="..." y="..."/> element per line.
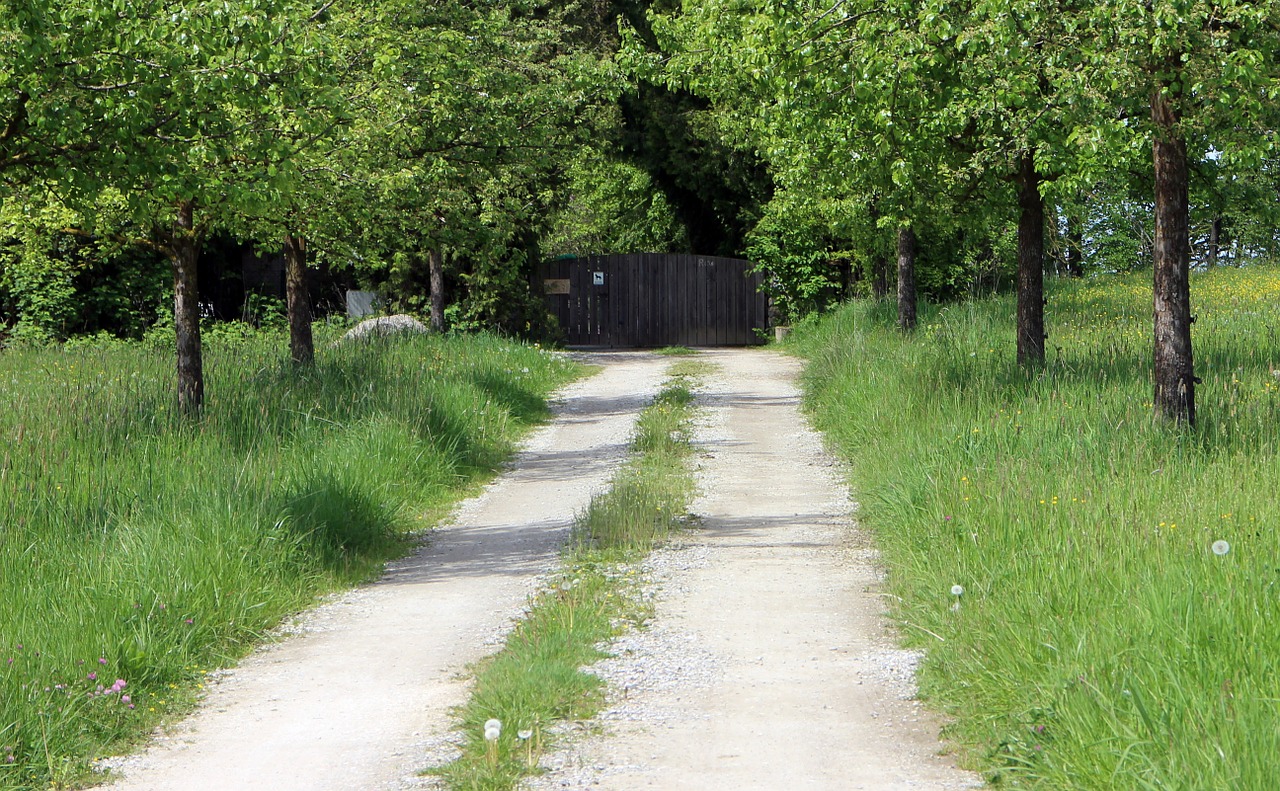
<point x="646" y="300"/>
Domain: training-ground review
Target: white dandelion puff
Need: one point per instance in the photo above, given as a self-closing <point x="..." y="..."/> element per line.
<point x="957" y="590"/>
<point x="524" y="735"/>
<point x="1220" y="547"/>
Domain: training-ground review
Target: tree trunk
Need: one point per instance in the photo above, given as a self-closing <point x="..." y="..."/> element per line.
<point x="301" y="345"/>
<point x="1173" y="371"/>
<point x="184" y="256"/>
<point x="906" y="277"/>
<point x="1075" y="246"/>
<point x="879" y="261"/>
<point x="880" y="280"/>
<point x="1030" y="264"/>
<point x="1215" y="238"/>
<point x="435" y="267"/>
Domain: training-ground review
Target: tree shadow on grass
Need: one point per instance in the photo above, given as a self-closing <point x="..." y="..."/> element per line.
<point x="523" y="404"/>
<point x="345" y="526"/>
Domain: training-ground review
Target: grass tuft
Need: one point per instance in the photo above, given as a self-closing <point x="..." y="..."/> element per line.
<point x="1099" y="641"/>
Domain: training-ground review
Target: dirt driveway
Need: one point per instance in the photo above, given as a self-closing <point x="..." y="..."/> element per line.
<point x="767" y="666"/>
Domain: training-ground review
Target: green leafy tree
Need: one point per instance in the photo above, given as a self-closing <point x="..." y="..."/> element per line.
<point x="1187" y="76"/>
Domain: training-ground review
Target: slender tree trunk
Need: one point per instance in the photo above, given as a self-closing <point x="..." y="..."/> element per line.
<point x="184" y="256"/>
<point x="906" y="277"/>
<point x="1030" y="264"/>
<point x="1075" y="246"/>
<point x="301" y="345"/>
<point x="1173" y="371"/>
<point x="880" y="282"/>
<point x="879" y="261"/>
<point x="435" y="268"/>
<point x="1215" y="237"/>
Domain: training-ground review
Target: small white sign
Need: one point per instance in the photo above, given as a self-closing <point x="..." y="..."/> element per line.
<point x="597" y="278"/>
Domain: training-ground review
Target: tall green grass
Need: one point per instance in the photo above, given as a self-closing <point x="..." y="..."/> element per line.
<point x="1099" y="643"/>
<point x="137" y="546"/>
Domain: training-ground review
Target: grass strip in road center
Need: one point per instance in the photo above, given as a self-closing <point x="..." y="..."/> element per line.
<point x="537" y="680"/>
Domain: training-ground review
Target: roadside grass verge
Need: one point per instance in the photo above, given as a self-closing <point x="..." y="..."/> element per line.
<point x="536" y="679"/>
<point x="1099" y="642"/>
<point x="138" y="550"/>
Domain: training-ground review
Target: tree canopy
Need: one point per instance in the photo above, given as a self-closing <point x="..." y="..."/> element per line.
<point x="440" y="150"/>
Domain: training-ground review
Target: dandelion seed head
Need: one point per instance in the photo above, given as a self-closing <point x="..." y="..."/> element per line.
<point x="1220" y="547"/>
<point x="957" y="590"/>
<point x="491" y="734"/>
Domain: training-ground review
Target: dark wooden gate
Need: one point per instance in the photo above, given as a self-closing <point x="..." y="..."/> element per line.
<point x="655" y="300"/>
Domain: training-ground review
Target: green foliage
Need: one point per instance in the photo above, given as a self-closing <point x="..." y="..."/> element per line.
<point x="612" y="207"/>
<point x="1099" y="642"/>
<point x="56" y="281"/>
<point x="790" y="244"/>
<point x="137" y="545"/>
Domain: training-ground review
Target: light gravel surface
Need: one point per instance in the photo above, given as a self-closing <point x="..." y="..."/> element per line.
<point x="769" y="663"/>
<point x="358" y="697"/>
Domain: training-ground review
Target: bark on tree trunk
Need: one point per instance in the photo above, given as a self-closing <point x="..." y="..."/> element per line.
<point x="1173" y="371"/>
<point x="435" y="268"/>
<point x="906" y="278"/>
<point x="1215" y="237"/>
<point x="184" y="256"/>
<point x="1030" y="264"/>
<point x="301" y="345"/>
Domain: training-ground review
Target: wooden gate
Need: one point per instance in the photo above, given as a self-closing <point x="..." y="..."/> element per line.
<point x="656" y="300"/>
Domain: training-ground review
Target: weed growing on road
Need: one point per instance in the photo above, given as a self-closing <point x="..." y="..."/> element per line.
<point x="140" y="548"/>
<point x="1120" y="625"/>
<point x="536" y="681"/>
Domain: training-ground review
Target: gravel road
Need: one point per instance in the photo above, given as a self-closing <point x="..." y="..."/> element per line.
<point x="767" y="665"/>
<point x="358" y="696"/>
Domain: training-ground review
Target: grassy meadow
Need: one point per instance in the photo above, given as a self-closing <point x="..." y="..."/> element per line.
<point x="138" y="551"/>
<point x="1101" y="640"/>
